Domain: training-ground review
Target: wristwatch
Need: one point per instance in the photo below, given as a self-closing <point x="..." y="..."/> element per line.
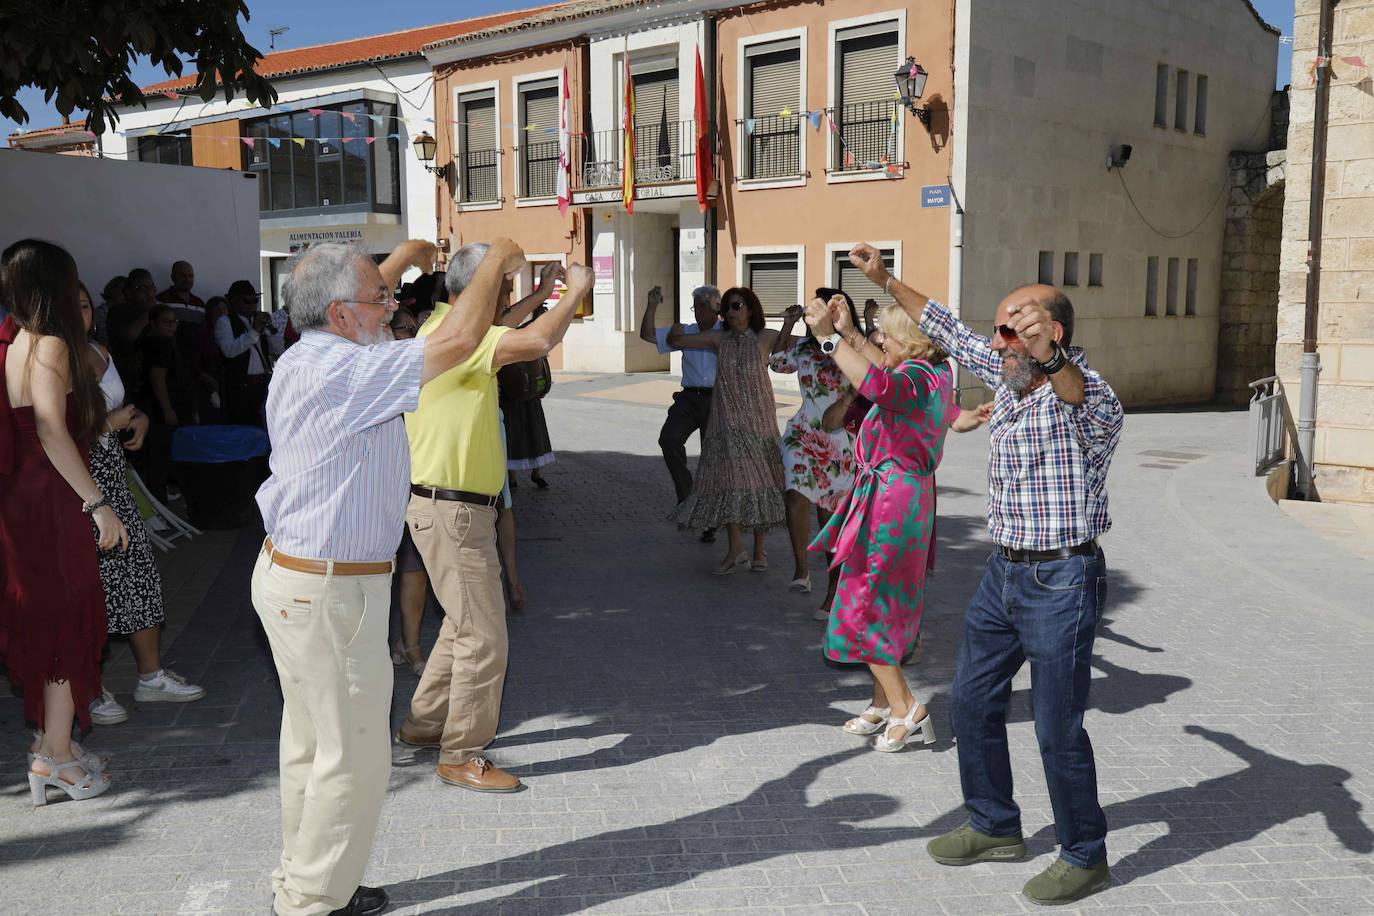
<point x="830" y="343"/>
<point x="1056" y="361"/>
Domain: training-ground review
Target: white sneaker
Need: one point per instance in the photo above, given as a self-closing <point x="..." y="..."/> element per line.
<point x="105" y="710"/>
<point x="822" y="613"/>
<point x="167" y="687"/>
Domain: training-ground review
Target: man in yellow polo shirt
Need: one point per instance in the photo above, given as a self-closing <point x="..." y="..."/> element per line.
<point x="457" y="467"/>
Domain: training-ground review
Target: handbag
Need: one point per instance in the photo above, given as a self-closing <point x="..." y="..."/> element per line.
<point x="525" y="381"/>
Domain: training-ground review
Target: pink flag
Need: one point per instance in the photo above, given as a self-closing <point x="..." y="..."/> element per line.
<point x="370" y="140"/>
<point x="831" y="121"/>
<point x="349" y="116"/>
<point x="171" y="95"/>
<point x="247" y="141"/>
<point x="316" y="111"/>
<point x="1354" y="61"/>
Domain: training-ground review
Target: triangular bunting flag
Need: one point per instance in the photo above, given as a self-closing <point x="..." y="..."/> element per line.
<point x="171" y="95"/>
<point x="378" y="119"/>
<point x="815" y="119"/>
<point x="370" y="140"/>
<point x="247" y="141"/>
<point x="274" y="142"/>
<point x="316" y="111"/>
<point x="349" y="116"/>
<point x="749" y="124"/>
<point x="785" y="113"/>
<point x="299" y="141"/>
<point x="393" y="136"/>
<point x="1354" y="61"/>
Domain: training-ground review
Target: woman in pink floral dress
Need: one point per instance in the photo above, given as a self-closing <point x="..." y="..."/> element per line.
<point x="819" y="465"/>
<point x="881" y="533"/>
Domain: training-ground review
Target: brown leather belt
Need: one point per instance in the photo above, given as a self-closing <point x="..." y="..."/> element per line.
<point x="323" y="567"/>
<point x="461" y="496"/>
<point x="1086" y="549"/>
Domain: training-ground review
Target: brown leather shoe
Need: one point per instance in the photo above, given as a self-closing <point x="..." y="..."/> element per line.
<point x="479" y="775"/>
<point x="419" y="741"/>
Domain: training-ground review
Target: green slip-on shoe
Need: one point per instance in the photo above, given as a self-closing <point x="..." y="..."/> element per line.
<point x="1064" y="882"/>
<point x="965" y="846"/>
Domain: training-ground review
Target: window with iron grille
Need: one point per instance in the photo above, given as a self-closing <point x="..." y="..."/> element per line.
<point x="480" y="153"/>
<point x="851" y="280"/>
<point x="169" y="149"/>
<point x="657" y="130"/>
<point x="337" y="160"/>
<point x="773" y="278"/>
<point x="866" y="115"/>
<point x="772" y="141"/>
<point x="539" y="139"/>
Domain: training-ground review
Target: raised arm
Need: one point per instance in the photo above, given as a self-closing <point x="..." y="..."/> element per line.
<point x="648" y="322"/>
<point x="411" y="253"/>
<point x="458" y="335"/>
<point x="540" y="336"/>
<point x="549" y="275"/>
<point x="678" y="339"/>
<point x="969" y="349"/>
<point x="851" y="355"/>
<point x="789" y="320"/>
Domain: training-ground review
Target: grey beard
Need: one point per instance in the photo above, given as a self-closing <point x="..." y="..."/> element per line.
<point x="375" y="336"/>
<point x="1019" y="373"/>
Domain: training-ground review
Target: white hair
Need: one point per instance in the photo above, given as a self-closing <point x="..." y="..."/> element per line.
<point x="462" y="267"/>
<point x="318" y="275"/>
<point x="705" y="292"/>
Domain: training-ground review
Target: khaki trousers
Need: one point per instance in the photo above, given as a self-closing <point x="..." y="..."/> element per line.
<point x="460" y="692"/>
<point x="328" y="637"/>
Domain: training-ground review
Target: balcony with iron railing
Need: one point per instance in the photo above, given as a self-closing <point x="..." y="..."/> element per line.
<point x="865" y="137"/>
<point x="664" y="154"/>
<point x="771" y="147"/>
<point x="478" y="181"/>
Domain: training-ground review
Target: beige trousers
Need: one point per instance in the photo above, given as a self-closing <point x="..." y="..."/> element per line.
<point x="328" y="636"/>
<point x="459" y="695"/>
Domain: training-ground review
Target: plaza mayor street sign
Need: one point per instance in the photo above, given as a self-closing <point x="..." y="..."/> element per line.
<point x="935" y="195"/>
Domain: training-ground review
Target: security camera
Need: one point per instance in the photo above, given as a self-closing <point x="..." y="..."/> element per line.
<point x="1118" y="156"/>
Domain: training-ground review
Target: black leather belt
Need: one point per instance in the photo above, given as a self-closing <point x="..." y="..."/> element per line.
<point x="1086" y="549"/>
<point x="691" y="390"/>
<point x="461" y="496"/>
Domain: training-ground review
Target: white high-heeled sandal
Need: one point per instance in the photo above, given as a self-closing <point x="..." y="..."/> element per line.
<point x="90" y="762"/>
<point x="864" y="727"/>
<point x="89" y="786"/>
<point x="891" y="746"/>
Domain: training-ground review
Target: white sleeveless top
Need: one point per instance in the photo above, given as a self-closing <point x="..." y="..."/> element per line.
<point x="111" y="385"/>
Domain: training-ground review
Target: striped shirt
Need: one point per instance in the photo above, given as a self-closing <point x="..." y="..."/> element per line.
<point x="1047" y="468"/>
<point x="340" y="462"/>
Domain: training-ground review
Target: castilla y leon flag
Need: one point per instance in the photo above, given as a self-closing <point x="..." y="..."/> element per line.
<point x="627" y="163"/>
<point x="705" y="165"/>
<point x="564" y="147"/>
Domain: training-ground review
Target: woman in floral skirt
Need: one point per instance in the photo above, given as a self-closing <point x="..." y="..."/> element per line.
<point x="881" y="533"/>
<point x="818" y="464"/>
<point x="739" y="481"/>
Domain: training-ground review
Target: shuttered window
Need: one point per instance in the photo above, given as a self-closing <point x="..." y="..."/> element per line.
<point x="657" y="132"/>
<point x="477" y="112"/>
<point x="867" y="59"/>
<point x="773" y="278"/>
<point x="772" y="141"/>
<point x="852" y="281"/>
<point x="539" y="144"/>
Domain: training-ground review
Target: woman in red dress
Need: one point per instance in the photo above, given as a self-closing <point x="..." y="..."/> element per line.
<point x="52" y="608"/>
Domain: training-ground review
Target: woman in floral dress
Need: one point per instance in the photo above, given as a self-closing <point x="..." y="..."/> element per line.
<point x="880" y="534"/>
<point x="819" y="465"/>
<point x="739" y="482"/>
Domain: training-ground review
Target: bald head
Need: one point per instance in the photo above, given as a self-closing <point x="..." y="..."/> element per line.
<point x="1051" y="297"/>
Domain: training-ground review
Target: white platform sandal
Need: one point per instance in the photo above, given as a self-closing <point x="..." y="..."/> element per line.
<point x="88" y="786"/>
<point x="863" y="724"/>
<point x="925" y="725"/>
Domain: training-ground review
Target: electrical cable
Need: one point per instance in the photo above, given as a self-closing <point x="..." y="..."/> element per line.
<point x="1225" y="186"/>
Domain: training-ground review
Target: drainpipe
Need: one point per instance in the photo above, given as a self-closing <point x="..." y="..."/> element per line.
<point x="1311" y="360"/>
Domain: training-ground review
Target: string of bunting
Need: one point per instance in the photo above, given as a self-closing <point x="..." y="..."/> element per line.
<point x="1352" y="60"/>
<point x="823" y="116"/>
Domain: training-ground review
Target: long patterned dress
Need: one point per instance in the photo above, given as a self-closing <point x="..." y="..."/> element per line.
<point x="818" y="465"/>
<point x="882" y="532"/>
<point x="739" y="479"/>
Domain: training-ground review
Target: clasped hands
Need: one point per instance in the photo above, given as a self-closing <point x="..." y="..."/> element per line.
<point x="827" y="318"/>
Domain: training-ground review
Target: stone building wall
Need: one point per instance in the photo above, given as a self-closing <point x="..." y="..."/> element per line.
<point x="1250" y="274"/>
<point x="1345" y="408"/>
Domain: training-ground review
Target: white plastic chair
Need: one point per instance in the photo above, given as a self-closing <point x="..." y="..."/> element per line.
<point x="177" y="526"/>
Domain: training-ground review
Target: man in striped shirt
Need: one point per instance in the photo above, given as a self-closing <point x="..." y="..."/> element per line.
<point x="1055" y="425"/>
<point x="334" y="508"/>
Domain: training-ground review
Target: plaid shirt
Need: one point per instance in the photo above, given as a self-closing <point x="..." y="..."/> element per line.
<point x="1047" y="471"/>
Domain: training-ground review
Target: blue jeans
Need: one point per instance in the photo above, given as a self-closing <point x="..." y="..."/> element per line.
<point x="1045" y="613"/>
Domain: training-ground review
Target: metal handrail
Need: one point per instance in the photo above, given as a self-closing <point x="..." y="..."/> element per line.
<point x="663" y="154"/>
<point x="1267" y="411"/>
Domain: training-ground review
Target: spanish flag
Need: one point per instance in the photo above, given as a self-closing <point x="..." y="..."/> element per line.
<point x="627" y="165"/>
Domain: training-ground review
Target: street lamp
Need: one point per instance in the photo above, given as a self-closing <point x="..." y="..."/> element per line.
<point x="911" y="85"/>
<point x="425" y="148"/>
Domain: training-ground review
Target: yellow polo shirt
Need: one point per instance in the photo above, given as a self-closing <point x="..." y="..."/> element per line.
<point x="455" y="436"/>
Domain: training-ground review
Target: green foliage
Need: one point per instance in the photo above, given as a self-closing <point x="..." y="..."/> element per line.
<point x="79" y="52"/>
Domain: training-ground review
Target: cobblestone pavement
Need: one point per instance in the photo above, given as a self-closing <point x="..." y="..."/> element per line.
<point x="678" y="731"/>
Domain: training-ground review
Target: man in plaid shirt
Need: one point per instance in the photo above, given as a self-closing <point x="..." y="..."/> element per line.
<point x="1055" y="425"/>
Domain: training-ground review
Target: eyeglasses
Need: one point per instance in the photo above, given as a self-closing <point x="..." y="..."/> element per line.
<point x="1007" y="331"/>
<point x="379" y="303"/>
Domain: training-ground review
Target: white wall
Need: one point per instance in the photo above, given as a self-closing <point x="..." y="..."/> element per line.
<point x="114" y="216"/>
<point x="1050" y="86"/>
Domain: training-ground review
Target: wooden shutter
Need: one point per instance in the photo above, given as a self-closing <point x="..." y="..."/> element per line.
<point x="774" y="78"/>
<point x="868" y="60"/>
<point x="851" y="280"/>
<point x="773" y="278"/>
<point x="479" y="114"/>
<point x="657" y="138"/>
<point x="479" y="161"/>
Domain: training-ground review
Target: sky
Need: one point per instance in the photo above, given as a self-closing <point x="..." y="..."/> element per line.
<point x="318" y="21"/>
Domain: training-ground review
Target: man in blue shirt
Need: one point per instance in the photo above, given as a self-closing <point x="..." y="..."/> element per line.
<point x="692" y="405"/>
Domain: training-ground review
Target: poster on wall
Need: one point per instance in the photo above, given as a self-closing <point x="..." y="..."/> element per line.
<point x="604" y="268"/>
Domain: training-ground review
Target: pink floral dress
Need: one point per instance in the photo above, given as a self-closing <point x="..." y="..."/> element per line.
<point x="818" y="465"/>
<point x="881" y="535"/>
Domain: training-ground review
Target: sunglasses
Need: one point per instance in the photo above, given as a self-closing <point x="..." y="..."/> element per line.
<point x="1006" y="330"/>
<point x="735" y="305"/>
